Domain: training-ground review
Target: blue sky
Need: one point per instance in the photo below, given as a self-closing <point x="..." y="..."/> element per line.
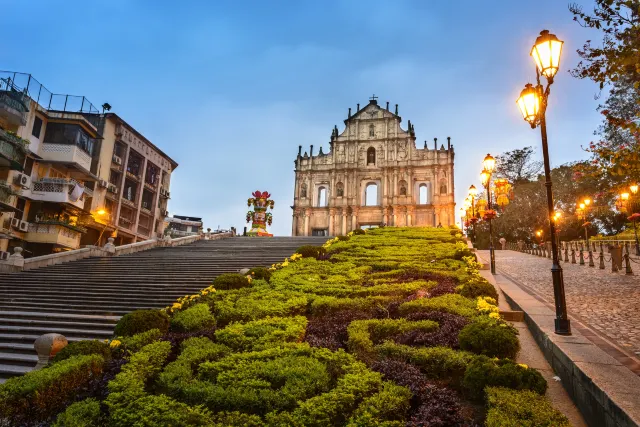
<point x="229" y="89"/>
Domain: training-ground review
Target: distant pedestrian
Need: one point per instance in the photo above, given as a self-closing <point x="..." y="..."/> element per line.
<point x="503" y="242"/>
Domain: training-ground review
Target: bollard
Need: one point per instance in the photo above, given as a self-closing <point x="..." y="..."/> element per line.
<point x="627" y="264"/>
<point x="549" y="250"/>
<point x="566" y="254"/>
<point x="581" y="256"/>
<point x="591" y="263"/>
<point x="602" y="267"/>
<point x="573" y="255"/>
<point x="47" y="346"/>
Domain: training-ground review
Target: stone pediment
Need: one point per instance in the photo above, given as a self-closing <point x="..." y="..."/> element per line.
<point x="371" y="112"/>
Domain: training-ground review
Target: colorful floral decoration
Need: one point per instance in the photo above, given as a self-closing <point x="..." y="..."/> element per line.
<point x="503" y="191"/>
<point x="481" y="206"/>
<point x="489" y="214"/>
<point x="259" y="216"/>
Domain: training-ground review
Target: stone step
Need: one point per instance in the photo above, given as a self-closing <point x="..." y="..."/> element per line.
<point x="26" y="359"/>
<point x="52" y="323"/>
<point x="8" y="371"/>
<point x="67" y="332"/>
<point x="62" y="316"/>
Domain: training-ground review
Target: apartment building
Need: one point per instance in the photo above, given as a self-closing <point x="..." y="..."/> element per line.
<point x="71" y="175"/>
<point x="180" y="226"/>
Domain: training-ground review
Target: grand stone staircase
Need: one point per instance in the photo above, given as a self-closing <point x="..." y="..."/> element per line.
<point x="84" y="299"/>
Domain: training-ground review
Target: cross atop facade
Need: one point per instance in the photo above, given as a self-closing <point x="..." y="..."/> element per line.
<point x="374" y="97"/>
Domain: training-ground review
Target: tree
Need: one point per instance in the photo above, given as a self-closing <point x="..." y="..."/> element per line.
<point x="518" y="166"/>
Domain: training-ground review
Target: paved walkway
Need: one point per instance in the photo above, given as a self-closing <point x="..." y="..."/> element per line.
<point x="609" y="303"/>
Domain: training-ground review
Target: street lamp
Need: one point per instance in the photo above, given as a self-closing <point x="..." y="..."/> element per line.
<point x="489" y="164"/>
<point x="472" y="196"/>
<point x="533" y="103"/>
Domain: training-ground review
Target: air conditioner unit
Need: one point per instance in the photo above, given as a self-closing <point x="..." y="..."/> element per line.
<point x="103" y="183"/>
<point x="145" y="205"/>
<point x="112" y="188"/>
<point x="22" y="180"/>
<point x="162" y="191"/>
<point x="167" y="194"/>
<point x="24" y="226"/>
<point x="4" y="255"/>
<point x="117" y="160"/>
<point x="15" y="223"/>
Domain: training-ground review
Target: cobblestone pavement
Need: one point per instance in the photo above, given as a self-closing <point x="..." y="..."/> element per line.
<point x="608" y="302"/>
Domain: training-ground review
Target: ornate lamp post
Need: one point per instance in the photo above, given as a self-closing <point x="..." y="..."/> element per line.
<point x="584" y="206"/>
<point x="539" y="235"/>
<point x="489" y="164"/>
<point x="462" y="215"/>
<point x="533" y="103"/>
<point x="634" y="217"/>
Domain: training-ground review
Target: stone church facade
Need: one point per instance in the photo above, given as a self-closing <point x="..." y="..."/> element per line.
<point x="373" y="175"/>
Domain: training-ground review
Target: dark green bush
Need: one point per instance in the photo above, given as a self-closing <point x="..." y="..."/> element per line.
<point x="490" y="337"/>
<point x="236" y="419"/>
<point x="483" y="372"/>
<point x="228" y="281"/>
<point x="137" y="341"/>
<point x="247" y="304"/>
<point x="142" y="321"/>
<point x="358" y="232"/>
<point x="79" y="348"/>
<point x="449" y="303"/>
<point x="260" y="273"/>
<point x="343" y="238"/>
<point x="309" y="251"/>
<point x="194" y="318"/>
<point x="41" y="394"/>
<point x="521" y="408"/>
<point x="477" y="287"/>
<point x="81" y="414"/>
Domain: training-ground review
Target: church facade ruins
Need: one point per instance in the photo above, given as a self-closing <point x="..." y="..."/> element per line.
<point x="373" y="175"/>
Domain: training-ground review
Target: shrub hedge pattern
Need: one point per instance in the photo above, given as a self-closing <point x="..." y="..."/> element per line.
<point x="389" y="327"/>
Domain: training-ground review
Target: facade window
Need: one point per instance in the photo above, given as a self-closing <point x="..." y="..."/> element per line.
<point x="371" y="156"/>
<point x="303" y="191"/>
<point x="37" y="127"/>
<point x="423" y="194"/>
<point x="60" y="133"/>
<point x="372" y="131"/>
<point x="20" y="206"/>
<point x="371" y="195"/>
<point x="340" y="189"/>
<point x="322" y="197"/>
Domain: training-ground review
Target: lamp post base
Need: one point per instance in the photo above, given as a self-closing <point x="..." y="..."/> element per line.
<point x="492" y="257"/>
<point x="563" y="327"/>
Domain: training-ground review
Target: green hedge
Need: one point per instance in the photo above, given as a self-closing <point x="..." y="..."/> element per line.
<point x="85" y="347"/>
<point x="142" y="321"/>
<point x="137" y="341"/>
<point x="40" y="394"/>
<point x="493" y="338"/>
<point x="449" y="303"/>
<point x="228" y="281"/>
<point x="194" y="318"/>
<point x="81" y="414"/>
<point x="309" y="251"/>
<point x="262" y="334"/>
<point x="511" y="408"/>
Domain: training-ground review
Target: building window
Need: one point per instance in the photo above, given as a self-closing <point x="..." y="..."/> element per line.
<point x="340" y="189"/>
<point x="20" y="206"/>
<point x="37" y="127"/>
<point x="371" y="194"/>
<point x="372" y="131"/>
<point x="322" y="197"/>
<point x="423" y="194"/>
<point x="371" y="156"/>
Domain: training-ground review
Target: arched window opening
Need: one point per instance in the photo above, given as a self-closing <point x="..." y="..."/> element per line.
<point x="371" y="156"/>
<point x="371" y="195"/>
<point x="372" y="131"/>
<point x="443" y="188"/>
<point x="303" y="191"/>
<point x="340" y="189"/>
<point x="402" y="187"/>
<point x="322" y="197"/>
<point x="423" y="194"/>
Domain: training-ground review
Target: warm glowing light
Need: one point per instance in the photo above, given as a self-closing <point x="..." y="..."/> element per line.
<point x="633" y="188"/>
<point x="539" y="233"/>
<point x="489" y="163"/>
<point x="529" y="103"/>
<point x="546" y="53"/>
<point x="582" y="205"/>
<point x="101" y="212"/>
<point x="502" y="200"/>
<point x="466" y="204"/>
<point x="587" y="201"/>
<point x="624" y="196"/>
<point x="485" y="176"/>
<point x="472" y="190"/>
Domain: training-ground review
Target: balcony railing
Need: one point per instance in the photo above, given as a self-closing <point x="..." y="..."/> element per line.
<point x="54" y="233"/>
<point x="59" y="190"/>
<point x="128" y="202"/>
<point x="13" y="149"/>
<point x="66" y="153"/>
<point x="125" y="223"/>
<point x="145" y="231"/>
<point x="14" y="106"/>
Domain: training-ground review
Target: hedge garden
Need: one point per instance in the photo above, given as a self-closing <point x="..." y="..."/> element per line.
<point x="392" y="327"/>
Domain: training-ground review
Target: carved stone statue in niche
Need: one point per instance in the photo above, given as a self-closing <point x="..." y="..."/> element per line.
<point x="340" y="153"/>
<point x="402" y="150"/>
<point x="303" y="191"/>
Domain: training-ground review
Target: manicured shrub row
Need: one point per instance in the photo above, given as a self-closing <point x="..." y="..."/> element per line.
<point x="389" y="327"/>
<point x="38" y="395"/>
<point x="521" y="408"/>
<point x="80" y="348"/>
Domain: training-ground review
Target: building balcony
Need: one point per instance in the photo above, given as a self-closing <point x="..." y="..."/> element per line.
<point x="7" y="197"/>
<point x="133" y="176"/>
<point x="13" y="150"/>
<point x="13" y="107"/>
<point x="55" y="233"/>
<point x="59" y="190"/>
<point x="71" y="156"/>
<point x="130" y="203"/>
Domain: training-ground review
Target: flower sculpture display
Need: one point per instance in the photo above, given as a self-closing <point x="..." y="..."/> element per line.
<point x="259" y="217"/>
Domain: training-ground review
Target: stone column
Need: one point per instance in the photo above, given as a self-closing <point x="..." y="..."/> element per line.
<point x="354" y="218"/>
<point x="395" y="216"/>
<point x="410" y="216"/>
<point x="332" y="213"/>
<point x="385" y="215"/>
<point x="307" y="214"/>
<point x="344" y="221"/>
<point x="294" y="226"/>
